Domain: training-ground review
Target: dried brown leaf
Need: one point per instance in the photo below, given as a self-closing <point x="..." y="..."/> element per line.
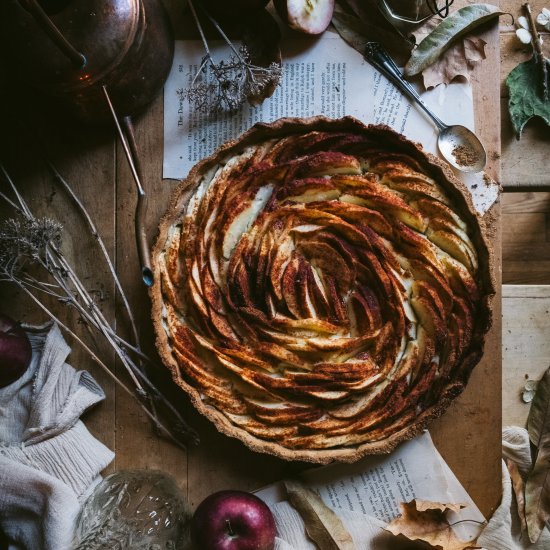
<point x="426" y="521"/>
<point x="357" y="26"/>
<point x="457" y="61"/>
<point x="538" y="421"/>
<point x="537" y="496"/>
<point x="423" y="505"/>
<point x="519" y="491"/>
<point x="323" y="526"/>
<point x="454" y="27"/>
<point x="537" y="488"/>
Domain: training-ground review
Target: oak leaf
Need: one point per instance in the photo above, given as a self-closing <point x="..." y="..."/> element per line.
<point x="426" y="521"/>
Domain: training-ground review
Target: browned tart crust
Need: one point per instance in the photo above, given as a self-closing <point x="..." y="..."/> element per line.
<point x="323" y="288"/>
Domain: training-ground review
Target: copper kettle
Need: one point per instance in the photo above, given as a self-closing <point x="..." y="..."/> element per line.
<point x="101" y="59"/>
<point x="70" y="49"/>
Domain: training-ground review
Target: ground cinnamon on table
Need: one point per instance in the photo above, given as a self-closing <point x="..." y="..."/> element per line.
<point x="464" y="155"/>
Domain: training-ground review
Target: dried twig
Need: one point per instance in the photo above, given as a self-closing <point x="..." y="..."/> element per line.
<point x="537" y="51"/>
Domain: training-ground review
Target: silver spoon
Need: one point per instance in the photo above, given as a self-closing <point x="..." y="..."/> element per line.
<point x="459" y="146"/>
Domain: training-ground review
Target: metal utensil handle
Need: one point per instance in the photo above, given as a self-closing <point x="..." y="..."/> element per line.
<point x="35" y="9"/>
<point x="379" y="57"/>
<point x="127" y="140"/>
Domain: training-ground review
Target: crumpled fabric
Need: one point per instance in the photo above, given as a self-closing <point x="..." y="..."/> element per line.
<point x="49" y="461"/>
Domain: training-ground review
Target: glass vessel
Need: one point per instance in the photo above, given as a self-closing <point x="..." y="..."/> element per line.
<point x="404" y="14"/>
<point x="134" y="510"/>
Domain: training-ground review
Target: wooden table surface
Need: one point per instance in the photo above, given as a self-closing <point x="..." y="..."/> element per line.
<point x="468" y="435"/>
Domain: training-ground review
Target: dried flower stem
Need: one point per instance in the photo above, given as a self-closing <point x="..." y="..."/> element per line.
<point x="40" y="246"/>
<point x="226" y="85"/>
<point x="63" y="182"/>
<point x="537" y="50"/>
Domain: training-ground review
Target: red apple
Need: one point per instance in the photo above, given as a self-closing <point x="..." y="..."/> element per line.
<point x="233" y="520"/>
<point x="308" y="16"/>
<point x="15" y="351"/>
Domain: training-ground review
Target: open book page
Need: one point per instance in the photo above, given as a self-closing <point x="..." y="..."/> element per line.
<point x="320" y="77"/>
<point x="375" y="485"/>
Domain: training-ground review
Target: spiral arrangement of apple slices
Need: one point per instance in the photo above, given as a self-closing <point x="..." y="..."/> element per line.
<point x="321" y="291"/>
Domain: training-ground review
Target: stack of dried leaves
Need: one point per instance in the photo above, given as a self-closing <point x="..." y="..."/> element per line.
<point x="440" y="50"/>
<point x="533" y="493"/>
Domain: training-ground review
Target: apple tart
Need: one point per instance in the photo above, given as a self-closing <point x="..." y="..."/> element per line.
<point x="323" y="288"/>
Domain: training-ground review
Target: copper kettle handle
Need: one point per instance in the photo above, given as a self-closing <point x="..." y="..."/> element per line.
<point x="35" y="9"/>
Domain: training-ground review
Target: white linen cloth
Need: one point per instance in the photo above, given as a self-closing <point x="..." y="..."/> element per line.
<point x="49" y="461"/>
<point x="502" y="532"/>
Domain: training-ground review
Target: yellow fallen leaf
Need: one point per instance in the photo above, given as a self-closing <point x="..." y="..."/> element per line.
<point x="426" y="521"/>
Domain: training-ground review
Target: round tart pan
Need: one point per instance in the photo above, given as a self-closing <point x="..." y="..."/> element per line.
<point x="323" y="288"/>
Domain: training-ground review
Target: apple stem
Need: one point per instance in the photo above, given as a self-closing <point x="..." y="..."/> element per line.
<point x="229" y="528"/>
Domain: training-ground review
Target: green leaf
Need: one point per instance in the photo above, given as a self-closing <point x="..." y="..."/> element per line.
<point x="525" y="101"/>
<point x="537" y="488"/>
<point x="447" y="32"/>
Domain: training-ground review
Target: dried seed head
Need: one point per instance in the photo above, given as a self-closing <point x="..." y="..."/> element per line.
<point x="26" y="238"/>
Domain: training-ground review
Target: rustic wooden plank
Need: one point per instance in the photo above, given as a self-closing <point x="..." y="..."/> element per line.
<point x="526" y="238"/>
<point x="137" y="443"/>
<point x="526" y="325"/>
<point x="524" y="162"/>
<point x="524" y="227"/>
<point x="474" y="419"/>
<point x="525" y="291"/>
<point x="515" y="273"/>
<point x="524" y="202"/>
